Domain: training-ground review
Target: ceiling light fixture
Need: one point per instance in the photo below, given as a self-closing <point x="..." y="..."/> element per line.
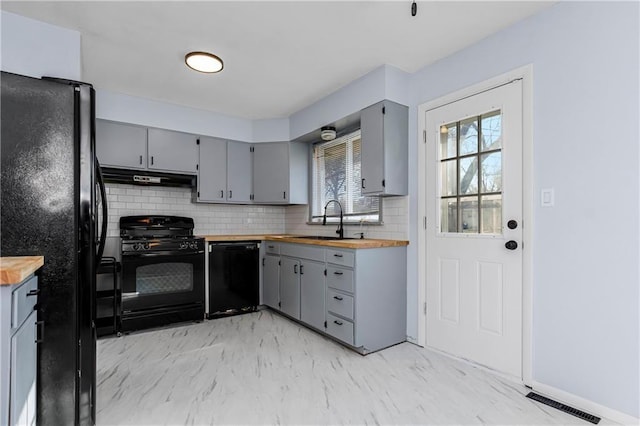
<point x="328" y="133"/>
<point x="203" y="62"/>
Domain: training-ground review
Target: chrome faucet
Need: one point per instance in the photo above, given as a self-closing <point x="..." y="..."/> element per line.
<point x="340" y="230"/>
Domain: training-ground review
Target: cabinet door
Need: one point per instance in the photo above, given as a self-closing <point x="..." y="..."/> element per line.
<point x="372" y="131"/>
<point x="23" y="374"/>
<point x="172" y="151"/>
<point x="239" y="172"/>
<point x="271" y="172"/>
<point x="290" y="287"/>
<point x="312" y="297"/>
<point x="212" y="173"/>
<point x="271" y="281"/>
<point x="121" y="145"/>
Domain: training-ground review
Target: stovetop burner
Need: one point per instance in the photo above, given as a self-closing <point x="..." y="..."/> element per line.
<point x="133" y="227"/>
<point x="170" y="234"/>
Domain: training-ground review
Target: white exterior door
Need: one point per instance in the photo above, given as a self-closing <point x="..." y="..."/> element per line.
<point x="473" y="206"/>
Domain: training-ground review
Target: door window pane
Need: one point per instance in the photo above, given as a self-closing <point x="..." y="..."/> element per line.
<point x="469" y="136"/>
<point x="448" y="140"/>
<point x="491" y="213"/>
<point x="469" y="215"/>
<point x="449" y="215"/>
<point x="491" y="136"/>
<point x="469" y="175"/>
<point x="449" y="183"/>
<point x="491" y="172"/>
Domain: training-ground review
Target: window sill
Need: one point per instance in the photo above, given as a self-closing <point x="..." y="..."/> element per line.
<point x="347" y="223"/>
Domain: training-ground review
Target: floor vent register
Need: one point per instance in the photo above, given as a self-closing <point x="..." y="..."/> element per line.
<point x="559" y="406"/>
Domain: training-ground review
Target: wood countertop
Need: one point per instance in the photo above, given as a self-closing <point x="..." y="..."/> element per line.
<point x="365" y="243"/>
<point x="14" y="270"/>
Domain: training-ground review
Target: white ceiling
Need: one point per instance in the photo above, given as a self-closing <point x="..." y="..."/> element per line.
<point x="279" y="56"/>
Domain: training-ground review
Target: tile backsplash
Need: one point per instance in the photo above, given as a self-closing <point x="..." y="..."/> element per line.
<point x="210" y="219"/>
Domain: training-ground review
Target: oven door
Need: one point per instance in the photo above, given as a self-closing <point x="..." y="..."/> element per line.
<point x="161" y="280"/>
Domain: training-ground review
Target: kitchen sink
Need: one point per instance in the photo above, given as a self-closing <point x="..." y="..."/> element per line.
<point x="323" y="237"/>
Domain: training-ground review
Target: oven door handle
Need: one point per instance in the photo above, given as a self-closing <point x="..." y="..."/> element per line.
<point x="160" y="253"/>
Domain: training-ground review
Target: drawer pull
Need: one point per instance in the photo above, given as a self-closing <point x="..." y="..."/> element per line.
<point x="271" y="247"/>
<point x="33" y="292"/>
<point x="337" y="255"/>
<point x="337" y="297"/>
<point x="40" y="332"/>
<point x="337" y="322"/>
<point x="337" y="273"/>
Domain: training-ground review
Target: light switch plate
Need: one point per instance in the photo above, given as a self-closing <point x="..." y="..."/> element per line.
<point x="547" y="197"/>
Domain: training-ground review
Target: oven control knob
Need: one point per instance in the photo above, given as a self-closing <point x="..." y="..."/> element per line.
<point x="183" y="245"/>
<point x="146" y="246"/>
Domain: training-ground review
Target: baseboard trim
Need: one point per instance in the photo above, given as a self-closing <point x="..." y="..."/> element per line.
<point x="584" y="404"/>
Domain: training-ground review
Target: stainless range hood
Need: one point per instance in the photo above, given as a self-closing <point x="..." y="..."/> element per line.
<point x="146" y="178"/>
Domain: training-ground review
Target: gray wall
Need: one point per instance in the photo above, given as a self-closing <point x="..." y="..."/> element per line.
<point x="586" y="248"/>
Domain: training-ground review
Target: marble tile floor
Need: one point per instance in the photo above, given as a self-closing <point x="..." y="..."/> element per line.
<point x="261" y="368"/>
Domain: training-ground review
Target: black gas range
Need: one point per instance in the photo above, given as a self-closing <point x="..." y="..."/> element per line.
<point x="162" y="271"/>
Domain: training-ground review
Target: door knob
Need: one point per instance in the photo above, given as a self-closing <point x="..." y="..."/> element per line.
<point x="511" y="245"/>
<point x="512" y="224"/>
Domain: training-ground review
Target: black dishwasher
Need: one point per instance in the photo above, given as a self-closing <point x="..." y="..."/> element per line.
<point x="234" y="269"/>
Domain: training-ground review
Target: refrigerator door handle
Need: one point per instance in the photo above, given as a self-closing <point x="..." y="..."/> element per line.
<point x="103" y="231"/>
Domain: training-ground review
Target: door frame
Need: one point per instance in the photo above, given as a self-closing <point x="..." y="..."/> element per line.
<point x="526" y="74"/>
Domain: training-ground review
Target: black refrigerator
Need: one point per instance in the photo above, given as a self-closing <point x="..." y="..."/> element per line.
<point x="51" y="205"/>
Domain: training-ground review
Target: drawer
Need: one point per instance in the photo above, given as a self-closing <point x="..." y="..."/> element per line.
<point x="340" y="278"/>
<point x="271" y="248"/>
<point x="23" y="299"/>
<point x="339" y="257"/>
<point x="340" y="328"/>
<point x="340" y="304"/>
<point x="303" y="251"/>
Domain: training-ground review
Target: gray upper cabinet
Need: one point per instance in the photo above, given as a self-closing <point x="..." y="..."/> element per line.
<point x="172" y="151"/>
<point x="280" y="172"/>
<point x="212" y="173"/>
<point x="239" y="172"/>
<point x="224" y="174"/>
<point x="384" y="132"/>
<point x="121" y="145"/>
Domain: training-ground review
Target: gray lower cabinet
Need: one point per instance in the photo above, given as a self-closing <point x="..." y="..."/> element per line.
<point x="356" y="296"/>
<point x="172" y="151"/>
<point x="367" y="297"/>
<point x="290" y="287"/>
<point x="18" y="359"/>
<point x="271" y="281"/>
<point x="121" y="145"/>
<point x="385" y="141"/>
<point x="312" y="310"/>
